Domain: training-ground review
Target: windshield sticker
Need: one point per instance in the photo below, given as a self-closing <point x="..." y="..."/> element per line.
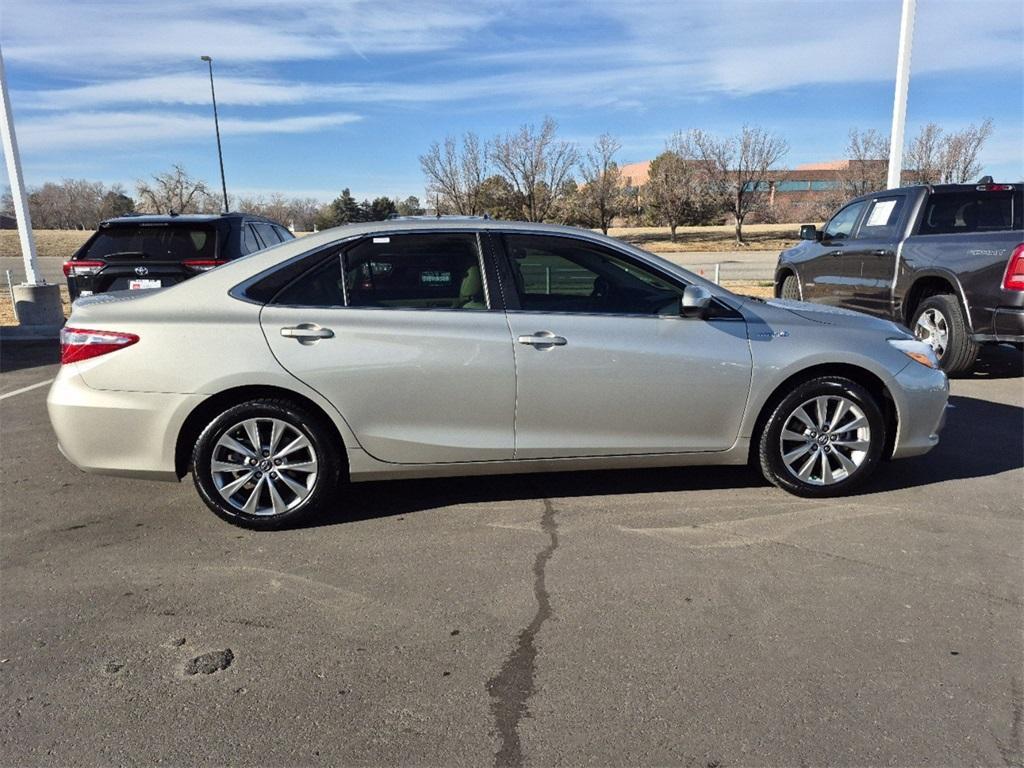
<point x="382" y="239"/>
<point x="435" y="278"/>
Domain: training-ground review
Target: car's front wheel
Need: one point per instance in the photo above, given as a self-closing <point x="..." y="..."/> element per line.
<point x="266" y="463"/>
<point x="823" y="439"/>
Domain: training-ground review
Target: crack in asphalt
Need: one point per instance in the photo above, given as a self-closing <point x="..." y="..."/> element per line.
<point x="514" y="684"/>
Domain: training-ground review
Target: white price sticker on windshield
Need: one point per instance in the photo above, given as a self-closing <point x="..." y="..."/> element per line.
<point x="880" y="213"/>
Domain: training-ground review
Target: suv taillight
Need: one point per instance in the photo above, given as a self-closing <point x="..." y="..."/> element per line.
<point x="80" y="343"/>
<point x="1013" y="280"/>
<point x="82" y="268"/>
<point x="202" y="265"/>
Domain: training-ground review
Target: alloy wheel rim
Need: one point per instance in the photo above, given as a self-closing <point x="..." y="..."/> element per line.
<point x="931" y="327"/>
<point x="264" y="466"/>
<point x="825" y="440"/>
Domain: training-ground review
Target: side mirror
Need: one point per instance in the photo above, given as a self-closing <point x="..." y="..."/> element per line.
<point x="695" y="301"/>
<point x="809" y="232"/>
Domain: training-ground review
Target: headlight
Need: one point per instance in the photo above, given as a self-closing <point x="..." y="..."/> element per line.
<point x="917" y="351"/>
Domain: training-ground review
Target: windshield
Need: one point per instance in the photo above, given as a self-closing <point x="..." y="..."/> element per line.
<point x="177" y="242"/>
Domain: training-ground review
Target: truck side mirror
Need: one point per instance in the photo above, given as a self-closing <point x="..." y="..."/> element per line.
<point x="809" y="232"/>
<point x="695" y="301"/>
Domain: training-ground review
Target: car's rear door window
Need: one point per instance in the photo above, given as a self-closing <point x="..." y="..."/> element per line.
<point x="882" y="218"/>
<point x="415" y="271"/>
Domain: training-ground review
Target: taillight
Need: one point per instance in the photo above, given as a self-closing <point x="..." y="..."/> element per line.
<point x="994" y="187"/>
<point x="80" y="344"/>
<point x="82" y="268"/>
<point x="202" y="265"/>
<point x="1013" y="280"/>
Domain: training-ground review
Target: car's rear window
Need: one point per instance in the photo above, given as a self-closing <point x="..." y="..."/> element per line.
<point x="970" y="211"/>
<point x="175" y="242"/>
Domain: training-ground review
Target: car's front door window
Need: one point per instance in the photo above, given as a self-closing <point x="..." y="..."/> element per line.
<point x="555" y="274"/>
<point x="841" y="225"/>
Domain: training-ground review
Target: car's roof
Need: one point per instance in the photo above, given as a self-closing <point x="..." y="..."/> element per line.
<point x="183" y="218"/>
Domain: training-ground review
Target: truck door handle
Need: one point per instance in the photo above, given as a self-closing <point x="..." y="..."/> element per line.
<point x="881" y="252"/>
<point x="836" y="253"/>
<point x="543" y="340"/>
<point x="306" y="333"/>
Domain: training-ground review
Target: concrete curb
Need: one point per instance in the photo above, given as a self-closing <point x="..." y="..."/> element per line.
<point x="10" y="333"/>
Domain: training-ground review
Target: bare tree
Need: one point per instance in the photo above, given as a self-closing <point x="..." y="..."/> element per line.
<point x="671" y="190"/>
<point x="735" y="169"/>
<point x="537" y="166"/>
<point x="176" y="191"/>
<point x="602" y="196"/>
<point x="867" y="155"/>
<point x="961" y="150"/>
<point x="937" y="157"/>
<point x="454" y="174"/>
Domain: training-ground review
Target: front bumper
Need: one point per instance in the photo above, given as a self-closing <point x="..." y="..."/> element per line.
<point x="921" y="395"/>
<point x="131" y="434"/>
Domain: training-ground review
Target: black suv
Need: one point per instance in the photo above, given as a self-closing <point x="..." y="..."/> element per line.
<point x="147" y="251"/>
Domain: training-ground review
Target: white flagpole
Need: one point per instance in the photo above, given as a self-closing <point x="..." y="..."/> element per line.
<point x="899" y="107"/>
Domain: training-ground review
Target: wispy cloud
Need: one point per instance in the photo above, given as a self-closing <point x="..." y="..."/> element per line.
<point x="92" y="129"/>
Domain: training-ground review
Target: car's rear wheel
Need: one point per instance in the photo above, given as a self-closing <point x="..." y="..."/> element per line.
<point x="266" y="464"/>
<point x="823" y="439"/>
<point x="790" y="288"/>
<point x="939" y="321"/>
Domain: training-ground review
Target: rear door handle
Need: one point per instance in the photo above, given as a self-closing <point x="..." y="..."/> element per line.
<point x="881" y="252"/>
<point x="836" y="253"/>
<point x="543" y="340"/>
<point x="306" y="333"/>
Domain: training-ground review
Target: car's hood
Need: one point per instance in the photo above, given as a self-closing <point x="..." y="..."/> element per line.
<point x="826" y="315"/>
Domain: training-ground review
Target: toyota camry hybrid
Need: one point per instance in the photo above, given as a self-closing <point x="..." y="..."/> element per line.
<point x="416" y="348"/>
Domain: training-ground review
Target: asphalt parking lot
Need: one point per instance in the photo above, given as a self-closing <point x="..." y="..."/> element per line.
<point x="689" y="617"/>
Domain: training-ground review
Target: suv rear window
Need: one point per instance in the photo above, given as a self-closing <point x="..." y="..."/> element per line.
<point x="160" y="242"/>
<point x="969" y="212"/>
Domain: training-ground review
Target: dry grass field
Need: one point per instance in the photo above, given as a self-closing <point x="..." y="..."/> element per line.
<point x="50" y="243"/>
<point x="59" y="244"/>
<point x="758" y="237"/>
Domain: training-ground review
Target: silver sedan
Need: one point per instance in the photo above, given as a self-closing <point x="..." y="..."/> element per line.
<point x="455" y="347"/>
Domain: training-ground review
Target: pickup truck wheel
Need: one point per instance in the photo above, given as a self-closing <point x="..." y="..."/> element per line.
<point x="824" y="439"/>
<point x="939" y="321"/>
<point x="790" y="288"/>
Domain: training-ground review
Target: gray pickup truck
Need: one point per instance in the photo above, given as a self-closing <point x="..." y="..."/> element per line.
<point x="946" y="261"/>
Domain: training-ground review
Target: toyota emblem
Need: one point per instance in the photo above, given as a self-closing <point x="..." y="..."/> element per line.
<point x="141" y="271"/>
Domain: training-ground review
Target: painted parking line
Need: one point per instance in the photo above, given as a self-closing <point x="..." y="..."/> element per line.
<point x="29" y="388"/>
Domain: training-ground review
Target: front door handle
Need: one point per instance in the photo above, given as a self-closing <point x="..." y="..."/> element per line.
<point x="306" y="333"/>
<point x="836" y="253"/>
<point x="881" y="252"/>
<point x="543" y="340"/>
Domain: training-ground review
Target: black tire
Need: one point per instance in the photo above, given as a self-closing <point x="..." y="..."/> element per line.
<point x="771" y="445"/>
<point x="790" y="288"/>
<point x="324" y="454"/>
<point x="960" y="350"/>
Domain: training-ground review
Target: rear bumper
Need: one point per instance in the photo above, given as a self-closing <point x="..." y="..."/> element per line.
<point x="1007" y="327"/>
<point x="131" y="434"/>
<point x="921" y="396"/>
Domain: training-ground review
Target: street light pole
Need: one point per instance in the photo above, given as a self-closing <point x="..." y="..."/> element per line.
<point x="899" y="107"/>
<point x="216" y="126"/>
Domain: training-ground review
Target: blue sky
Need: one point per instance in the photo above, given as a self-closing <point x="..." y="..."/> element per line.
<point x="319" y="95"/>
